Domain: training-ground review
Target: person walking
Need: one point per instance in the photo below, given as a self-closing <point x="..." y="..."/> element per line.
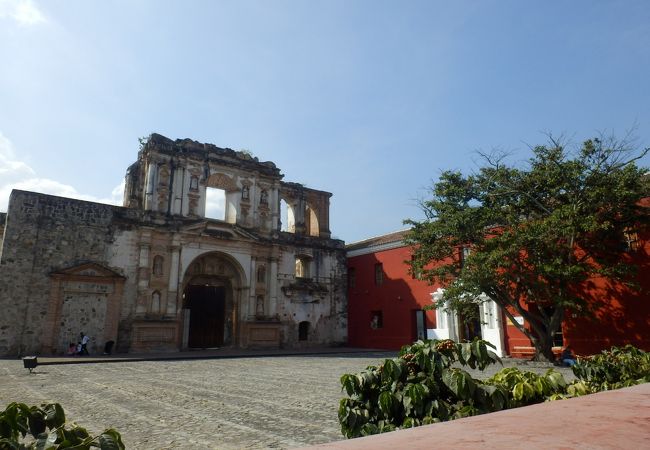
<point x="84" y="343"/>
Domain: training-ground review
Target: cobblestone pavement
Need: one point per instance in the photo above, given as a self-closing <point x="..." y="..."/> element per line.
<point x="269" y="402"/>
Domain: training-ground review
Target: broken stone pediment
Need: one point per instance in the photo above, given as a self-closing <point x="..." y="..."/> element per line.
<point x="305" y="290"/>
<point x="88" y="269"/>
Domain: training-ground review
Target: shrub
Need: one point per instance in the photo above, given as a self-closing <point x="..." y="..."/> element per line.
<point x="527" y="388"/>
<point x="47" y="427"/>
<point x="614" y="368"/>
<point x="419" y="387"/>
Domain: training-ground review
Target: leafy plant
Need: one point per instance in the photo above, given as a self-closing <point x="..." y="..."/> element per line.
<point x="526" y="388"/>
<point x="47" y="427"/>
<point x="421" y="386"/>
<point x="418" y="387"/>
<point x="614" y="368"/>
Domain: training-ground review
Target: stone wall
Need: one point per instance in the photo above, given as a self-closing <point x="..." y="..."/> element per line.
<point x="3" y="220"/>
<point x="44" y="233"/>
<point x="121" y="273"/>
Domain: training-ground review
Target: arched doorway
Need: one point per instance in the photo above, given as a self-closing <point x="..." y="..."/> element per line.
<point x="211" y="289"/>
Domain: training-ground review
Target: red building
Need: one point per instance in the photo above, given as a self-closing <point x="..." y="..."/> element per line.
<point x="385" y="306"/>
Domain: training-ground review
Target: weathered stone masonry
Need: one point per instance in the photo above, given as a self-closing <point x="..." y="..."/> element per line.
<point x="156" y="275"/>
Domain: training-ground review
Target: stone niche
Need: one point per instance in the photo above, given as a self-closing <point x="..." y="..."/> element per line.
<point x="83" y="298"/>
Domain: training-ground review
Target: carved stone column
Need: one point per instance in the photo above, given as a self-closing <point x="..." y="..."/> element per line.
<point x="273" y="288"/>
<point x="144" y="273"/>
<point x="172" y="293"/>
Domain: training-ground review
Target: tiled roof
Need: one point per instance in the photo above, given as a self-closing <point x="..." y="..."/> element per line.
<point x="395" y="236"/>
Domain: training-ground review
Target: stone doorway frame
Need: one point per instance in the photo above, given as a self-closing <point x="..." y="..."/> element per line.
<point x="91" y="274"/>
<point x="223" y="270"/>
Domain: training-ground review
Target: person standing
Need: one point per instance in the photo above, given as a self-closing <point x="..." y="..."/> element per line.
<point x="84" y="344"/>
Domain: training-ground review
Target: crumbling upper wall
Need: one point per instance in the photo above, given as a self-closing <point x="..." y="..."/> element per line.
<point x="308" y="209"/>
<point x="173" y="177"/>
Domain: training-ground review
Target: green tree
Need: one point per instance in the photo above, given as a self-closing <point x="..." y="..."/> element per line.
<point x="536" y="233"/>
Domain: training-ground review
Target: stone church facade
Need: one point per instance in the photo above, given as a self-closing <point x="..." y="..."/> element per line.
<point x="157" y="275"/>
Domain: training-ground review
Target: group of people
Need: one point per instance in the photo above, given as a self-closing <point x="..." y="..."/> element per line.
<point x="81" y="347"/>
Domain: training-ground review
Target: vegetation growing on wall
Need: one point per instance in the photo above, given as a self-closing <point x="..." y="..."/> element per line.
<point x="422" y="386"/>
<point x="45" y="428"/>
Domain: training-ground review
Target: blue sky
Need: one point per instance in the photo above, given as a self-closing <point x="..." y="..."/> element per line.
<point x="369" y="100"/>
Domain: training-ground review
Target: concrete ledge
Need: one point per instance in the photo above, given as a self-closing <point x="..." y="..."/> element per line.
<point x="608" y="420"/>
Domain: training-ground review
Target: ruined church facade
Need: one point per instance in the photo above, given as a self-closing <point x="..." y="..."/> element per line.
<point x="157" y="275"/>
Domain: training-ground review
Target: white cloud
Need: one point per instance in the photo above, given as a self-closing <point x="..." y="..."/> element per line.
<point x="15" y="174"/>
<point x="24" y="12"/>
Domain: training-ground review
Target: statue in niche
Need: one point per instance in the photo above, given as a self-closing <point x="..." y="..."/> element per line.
<point x="259" y="306"/>
<point x="158" y="265"/>
<point x="245" y="192"/>
<point x="264" y="197"/>
<point x="155" y="302"/>
<point x="300" y="268"/>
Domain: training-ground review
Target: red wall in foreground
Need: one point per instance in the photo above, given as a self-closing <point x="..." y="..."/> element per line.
<point x="397" y="298"/>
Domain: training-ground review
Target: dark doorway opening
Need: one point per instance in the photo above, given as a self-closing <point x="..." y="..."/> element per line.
<point x="419" y="324"/>
<point x="207" y="305"/>
<point x="470" y="324"/>
<point x="303" y="331"/>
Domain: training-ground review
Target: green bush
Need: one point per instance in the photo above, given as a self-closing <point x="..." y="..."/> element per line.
<point x="420" y="386"/>
<point x="527" y="388"/>
<point x="47" y="427"/>
<point x="614" y="368"/>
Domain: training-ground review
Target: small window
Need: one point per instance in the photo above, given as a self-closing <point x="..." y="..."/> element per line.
<point x="352" y="278"/>
<point x="631" y="240"/>
<point x="379" y="274"/>
<point x="416" y="274"/>
<point x="376" y="320"/>
<point x="303" y="331"/>
<point x="463" y="254"/>
<point x="158" y="265"/>
<point x="194" y="183"/>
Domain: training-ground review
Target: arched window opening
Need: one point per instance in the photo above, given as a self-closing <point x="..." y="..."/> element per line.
<point x="303" y="331"/>
<point x="215" y="203"/>
<point x="312" y="222"/>
<point x="287" y="217"/>
<point x="158" y="265"/>
<point x="155" y="303"/>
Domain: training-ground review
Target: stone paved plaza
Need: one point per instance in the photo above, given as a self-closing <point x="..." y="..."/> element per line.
<point x="267" y="402"/>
